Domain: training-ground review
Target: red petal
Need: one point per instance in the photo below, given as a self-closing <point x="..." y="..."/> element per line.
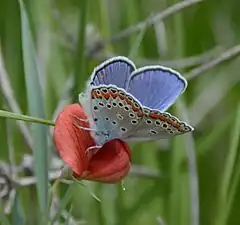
<point x="110" y="164"/>
<point x="71" y="141"/>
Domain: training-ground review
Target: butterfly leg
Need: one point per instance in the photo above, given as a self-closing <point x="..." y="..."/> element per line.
<point x="79" y="119"/>
<point x="84" y="128"/>
<point x="93" y="147"/>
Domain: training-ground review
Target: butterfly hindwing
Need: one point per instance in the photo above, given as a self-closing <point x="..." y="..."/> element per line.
<point x="157" y="125"/>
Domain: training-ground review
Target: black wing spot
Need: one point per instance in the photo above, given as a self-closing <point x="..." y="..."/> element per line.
<point x="119" y="116"/>
<point x="148" y="121"/>
<point x="109" y="106"/>
<point x="104" y="90"/>
<point x="153" y="132"/>
<point x="164" y="125"/>
<point x="120" y="104"/>
<point x="133" y="122"/>
<point x="101" y="104"/>
<point x="131" y="115"/>
<point x="123" y="129"/>
<point x="126" y="108"/>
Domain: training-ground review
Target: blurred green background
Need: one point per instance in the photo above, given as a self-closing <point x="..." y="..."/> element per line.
<point x="49" y="48"/>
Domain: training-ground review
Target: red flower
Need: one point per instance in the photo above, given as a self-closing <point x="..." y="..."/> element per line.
<point x="109" y="164"/>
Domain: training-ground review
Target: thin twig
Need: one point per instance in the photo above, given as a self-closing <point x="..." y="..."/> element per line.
<point x="227" y="55"/>
<point x="183" y="62"/>
<point x="160" y="16"/>
<point x="144" y="172"/>
<point x="12" y="103"/>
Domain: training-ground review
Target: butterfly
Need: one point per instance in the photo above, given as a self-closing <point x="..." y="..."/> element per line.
<point x="123" y="102"/>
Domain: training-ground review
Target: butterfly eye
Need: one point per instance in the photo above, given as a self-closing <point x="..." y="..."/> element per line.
<point x="107" y="118"/>
<point x="114" y="104"/>
<point x="114" y="122"/>
<point x="95" y="119"/>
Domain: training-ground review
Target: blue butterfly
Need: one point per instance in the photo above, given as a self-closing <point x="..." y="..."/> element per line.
<point x="129" y="104"/>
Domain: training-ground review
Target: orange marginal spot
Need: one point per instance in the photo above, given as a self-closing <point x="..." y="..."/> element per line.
<point x="156" y="116"/>
<point x="161" y="117"/>
<point x="93" y="94"/>
<point x="122" y="97"/>
<point x="140" y="113"/>
<point x="106" y="95"/>
<point x="177" y="126"/>
<point x="98" y="95"/>
<point x="128" y="101"/>
<point x="114" y="95"/>
<point x="134" y="107"/>
<point x="173" y="123"/>
<point x="169" y="121"/>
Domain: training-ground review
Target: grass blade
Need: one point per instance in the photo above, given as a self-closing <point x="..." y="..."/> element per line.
<point x="36" y="108"/>
<point x="80" y="63"/>
<point x="18" y="217"/>
<point x="227" y="187"/>
<point x="64" y="202"/>
<point x="31" y="119"/>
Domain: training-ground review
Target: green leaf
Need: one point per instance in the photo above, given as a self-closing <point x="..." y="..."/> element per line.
<point x="36" y="108"/>
<point x="230" y="176"/>
<point x="18" y="217"/>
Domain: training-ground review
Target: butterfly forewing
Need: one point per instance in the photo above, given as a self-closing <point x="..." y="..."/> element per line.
<point x="157" y="125"/>
<point x="114" y="111"/>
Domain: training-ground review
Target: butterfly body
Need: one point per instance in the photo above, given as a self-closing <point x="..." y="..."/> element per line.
<point x="127" y="103"/>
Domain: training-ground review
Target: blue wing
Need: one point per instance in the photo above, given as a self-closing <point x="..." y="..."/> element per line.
<point x="115" y="71"/>
<point x="156" y="87"/>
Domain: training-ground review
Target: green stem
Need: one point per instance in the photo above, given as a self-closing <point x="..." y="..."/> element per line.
<point x="31" y="119"/>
